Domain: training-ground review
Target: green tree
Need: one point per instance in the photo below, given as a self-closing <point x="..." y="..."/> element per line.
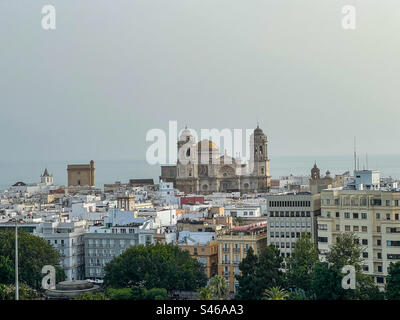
<point x="158" y="265"/>
<point x="259" y="273"/>
<point x="156" y="294"/>
<point x="301" y="263"/>
<point x="219" y="287"/>
<point x="275" y="293"/>
<point x="92" y="296"/>
<point x="119" y="294"/>
<point x="7" y="292"/>
<point x="393" y="282"/>
<point x="34" y="253"/>
<point x="326" y="283"/>
<point x="6" y="270"/>
<point x="206" y="293"/>
<point x="366" y="289"/>
<point x="247" y="280"/>
<point x="346" y="251"/>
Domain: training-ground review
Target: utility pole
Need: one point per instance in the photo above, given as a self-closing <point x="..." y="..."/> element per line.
<point x="16" y="261"/>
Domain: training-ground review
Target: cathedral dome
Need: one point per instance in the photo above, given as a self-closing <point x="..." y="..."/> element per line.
<point x="206" y="144"/>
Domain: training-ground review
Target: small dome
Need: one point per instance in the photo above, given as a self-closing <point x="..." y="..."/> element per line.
<point x="258" y="131"/>
<point x="185" y="133"/>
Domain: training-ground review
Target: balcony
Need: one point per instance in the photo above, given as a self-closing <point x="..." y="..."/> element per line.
<point x="226" y="262"/>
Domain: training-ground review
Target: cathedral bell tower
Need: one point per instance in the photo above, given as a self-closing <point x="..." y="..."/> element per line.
<point x="260" y="159"/>
<point x="186" y="167"/>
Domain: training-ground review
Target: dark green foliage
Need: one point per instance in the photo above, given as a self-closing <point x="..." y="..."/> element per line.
<point x="259" y="273"/>
<point x="119" y="294"/>
<point x="393" y="282"/>
<point x="137" y="293"/>
<point x="326" y="283"/>
<point x="6" y="270"/>
<point x="156" y="294"/>
<point x="34" y="253"/>
<point x="346" y="251"/>
<point x="301" y="263"/>
<point x="92" y="296"/>
<point x="157" y="265"/>
<point x="7" y="292"/>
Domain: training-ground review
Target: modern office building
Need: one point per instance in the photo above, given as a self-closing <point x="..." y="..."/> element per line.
<point x="289" y="216"/>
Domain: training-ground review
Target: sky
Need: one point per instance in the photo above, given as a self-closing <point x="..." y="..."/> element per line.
<point x="113" y="70"/>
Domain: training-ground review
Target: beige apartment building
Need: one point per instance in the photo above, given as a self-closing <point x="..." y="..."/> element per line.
<point x="373" y="215"/>
<point x="233" y="246"/>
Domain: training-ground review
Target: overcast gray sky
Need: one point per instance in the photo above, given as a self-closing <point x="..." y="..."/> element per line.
<point x="112" y="70"/>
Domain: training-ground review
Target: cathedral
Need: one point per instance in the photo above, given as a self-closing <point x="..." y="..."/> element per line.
<point x="201" y="169"/>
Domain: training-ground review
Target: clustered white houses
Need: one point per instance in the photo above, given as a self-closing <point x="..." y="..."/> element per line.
<point x="90" y="226"/>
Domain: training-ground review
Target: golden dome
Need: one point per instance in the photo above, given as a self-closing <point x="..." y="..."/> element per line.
<point x="203" y="143"/>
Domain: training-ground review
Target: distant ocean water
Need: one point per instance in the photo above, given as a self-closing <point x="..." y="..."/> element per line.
<point x="109" y="171"/>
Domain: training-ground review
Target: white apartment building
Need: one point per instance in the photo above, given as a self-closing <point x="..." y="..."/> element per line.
<point x="373" y="215"/>
<point x="243" y="212"/>
<point x="67" y="238"/>
<point x="103" y="244"/>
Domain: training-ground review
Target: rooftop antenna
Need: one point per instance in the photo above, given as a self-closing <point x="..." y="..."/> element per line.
<point x="355" y="154"/>
<point x="366" y="158"/>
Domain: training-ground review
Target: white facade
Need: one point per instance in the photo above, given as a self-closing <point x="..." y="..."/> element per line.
<point x="67" y="238"/>
<point x="243" y="212"/>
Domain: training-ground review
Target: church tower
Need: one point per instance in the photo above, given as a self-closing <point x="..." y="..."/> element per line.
<point x="260" y="159"/>
<point x="46" y="178"/>
<point x="187" y="162"/>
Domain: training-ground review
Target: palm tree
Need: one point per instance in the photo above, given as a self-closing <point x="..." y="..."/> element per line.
<point x="220" y="287"/>
<point x="206" y="293"/>
<point x="275" y="293"/>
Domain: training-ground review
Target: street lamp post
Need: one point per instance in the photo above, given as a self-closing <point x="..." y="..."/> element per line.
<point x="16" y="261"/>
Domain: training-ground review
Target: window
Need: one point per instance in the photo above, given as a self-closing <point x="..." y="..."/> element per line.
<point x="378" y="216"/>
<point x="322" y="239"/>
<point x="378" y="229"/>
<point x="338" y="227"/>
<point x="363" y="215"/>
<point x="379" y="280"/>
<point x="379" y="268"/>
<point x="365" y="254"/>
<point x="393" y="243"/>
<point x="337" y="214"/>
<point x="364" y="229"/>
<point x="346" y="228"/>
<point x="378" y="242"/>
<point x="387" y="216"/>
<point x="347" y="215"/>
<point x="355" y="215"/>
<point x="364" y="242"/>
<point x="355" y="228"/>
<point x="387" y="203"/>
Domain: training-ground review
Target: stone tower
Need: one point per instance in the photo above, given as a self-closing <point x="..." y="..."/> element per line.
<point x="260" y="159"/>
<point x="187" y="161"/>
